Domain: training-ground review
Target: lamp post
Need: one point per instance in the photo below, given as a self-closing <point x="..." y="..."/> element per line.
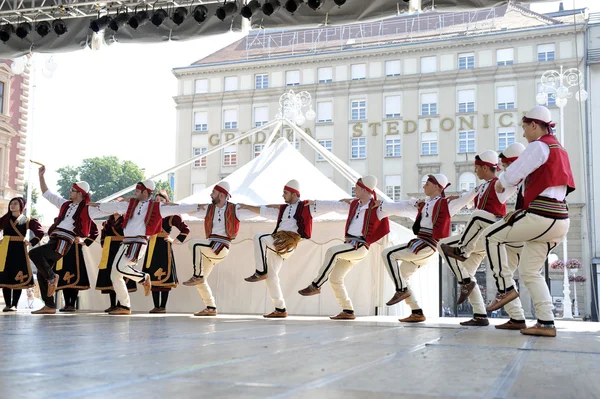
<point x="559" y="84"/>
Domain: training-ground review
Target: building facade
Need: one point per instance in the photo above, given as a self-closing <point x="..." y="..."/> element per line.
<point x="399" y="99"/>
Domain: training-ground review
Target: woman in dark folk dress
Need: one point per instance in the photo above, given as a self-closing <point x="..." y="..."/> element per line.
<point x="15" y="268"/>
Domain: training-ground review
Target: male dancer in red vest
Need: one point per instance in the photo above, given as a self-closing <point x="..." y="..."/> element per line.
<point x="142" y="217"/>
<point x="364" y="227"/>
<point x="543" y="222"/>
<point x="221" y="225"/>
<point x="74" y="220"/>
<point x="464" y="253"/>
<point x="294" y="222"/>
<point x="432" y="223"/>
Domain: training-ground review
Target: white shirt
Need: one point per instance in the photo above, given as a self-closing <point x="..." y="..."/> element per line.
<point x="68" y="223"/>
<point x="218" y="226"/>
<point x="136" y="226"/>
<point x="535" y="155"/>
<point x="288" y="223"/>
<point x="358" y="219"/>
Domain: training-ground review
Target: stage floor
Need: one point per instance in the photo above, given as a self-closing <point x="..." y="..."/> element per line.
<point x="92" y="355"/>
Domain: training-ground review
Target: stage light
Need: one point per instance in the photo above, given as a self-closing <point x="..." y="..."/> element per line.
<point x="23" y="30"/>
<point x="100" y="23"/>
<point x="59" y="26"/>
<point x="140" y="18"/>
<point x="293" y="5"/>
<point x="200" y="13"/>
<point x="6" y="31"/>
<point x="119" y="21"/>
<point x="250" y="8"/>
<point x="315" y="4"/>
<point x="43" y="28"/>
<point x="340" y="3"/>
<point x="226" y="10"/>
<point x="158" y="17"/>
<point x="270" y="7"/>
<point x="179" y="15"/>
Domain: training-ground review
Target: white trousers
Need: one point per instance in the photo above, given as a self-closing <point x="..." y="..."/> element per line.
<point x="204" y="260"/>
<point x="409" y="264"/>
<point x="539" y="235"/>
<point x="468" y="240"/>
<point x="124" y="267"/>
<point x="270" y="262"/>
<point x="339" y="259"/>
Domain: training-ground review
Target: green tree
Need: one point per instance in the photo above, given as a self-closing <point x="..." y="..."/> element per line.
<point x="164" y="185"/>
<point x="105" y="175"/>
<point x="34" y="199"/>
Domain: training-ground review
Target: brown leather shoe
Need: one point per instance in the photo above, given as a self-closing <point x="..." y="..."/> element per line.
<point x="476" y="322"/>
<point x="206" y="312"/>
<point x="452" y="252"/>
<point x="343" y="316"/>
<point x="110" y="309"/>
<point x="413" y="318"/>
<point x="52" y="284"/>
<point x="147" y="284"/>
<point x="68" y="309"/>
<point x="310" y="290"/>
<point x="120" y="310"/>
<point x="465" y="291"/>
<point x="540" y="330"/>
<point x="511" y="325"/>
<point x="502" y="299"/>
<point x="155" y="310"/>
<point x="276" y="314"/>
<point x="6" y="309"/>
<point x="45" y="310"/>
<point x="193" y="281"/>
<point x="256" y="277"/>
<point x="399" y="296"/>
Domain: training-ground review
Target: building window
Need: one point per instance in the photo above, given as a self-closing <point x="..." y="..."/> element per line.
<point x="545" y="52"/>
<point x="258" y="149"/>
<point x="325" y="75"/>
<point x="466" y="61"/>
<point x="359" y="148"/>
<point x="466" y="141"/>
<point x="505" y="97"/>
<point x="201" y="121"/>
<point x="230" y="119"/>
<point x="392" y="68"/>
<point x="550" y="97"/>
<point x="466" y="101"/>
<point x="506" y="137"/>
<point x="231" y="83"/>
<point x="353" y="191"/>
<point x="392" y="148"/>
<point x="328" y="145"/>
<point x="292" y="78"/>
<point x="230" y="156"/>
<point x="358" y="71"/>
<point x="429" y="143"/>
<point x="201" y="86"/>
<point x="261" y="116"/>
<point x="199" y="163"/>
<point x="467" y="181"/>
<point x="428" y="64"/>
<point x="429" y="104"/>
<point x="392" y="107"/>
<point x="261" y="81"/>
<point x="358" y="111"/>
<point x="324" y="112"/>
<point x="393" y="187"/>
<point x="505" y="56"/>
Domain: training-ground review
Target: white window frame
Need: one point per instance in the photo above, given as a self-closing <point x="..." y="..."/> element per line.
<point x="360" y="106"/>
<point x="502" y="91"/>
<point x="230" y="83"/>
<point x="469" y="139"/>
<point x="393" y="68"/>
<point x="358" y="143"/>
<point x="258" y="148"/>
<point x="428" y="107"/>
<point x="467" y="181"/>
<point x="261" y="81"/>
<point x="429" y="64"/>
<point x="358" y="71"/>
<point x="393" y="187"/>
<point x="200" y="127"/>
<point x="429" y="144"/>
<point x="393" y="147"/>
<point x="199" y="163"/>
<point x="466" y="61"/>
<point x="392" y="106"/>
<point x="506" y="136"/>
<point x="230" y="156"/>
<point x="324" y="111"/>
<point x="546" y="52"/>
<point x="328" y="145"/>
<point x="325" y="74"/>
<point x="230" y="124"/>
<point x="465" y="105"/>
<point x="264" y="119"/>
<point x="200" y="86"/>
<point x="292" y="78"/>
<point x="505" y="56"/>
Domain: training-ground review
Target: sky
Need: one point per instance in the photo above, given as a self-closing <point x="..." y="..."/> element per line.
<point x="119" y="101"/>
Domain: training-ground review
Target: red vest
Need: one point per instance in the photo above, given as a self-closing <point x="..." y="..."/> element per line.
<point x="441" y="220"/>
<point x="303" y="219"/>
<point x="555" y="172"/>
<point x="152" y="220"/>
<point x="81" y="218"/>
<point x="373" y="228"/>
<point x="490" y="202"/>
<point x="232" y="224"/>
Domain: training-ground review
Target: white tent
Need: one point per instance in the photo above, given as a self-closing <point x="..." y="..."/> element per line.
<point x="260" y="182"/>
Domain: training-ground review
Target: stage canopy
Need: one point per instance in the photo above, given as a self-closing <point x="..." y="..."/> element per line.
<point x="55" y="25"/>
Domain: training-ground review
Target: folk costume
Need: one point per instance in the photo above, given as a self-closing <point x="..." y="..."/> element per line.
<point x="15" y="267"/>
